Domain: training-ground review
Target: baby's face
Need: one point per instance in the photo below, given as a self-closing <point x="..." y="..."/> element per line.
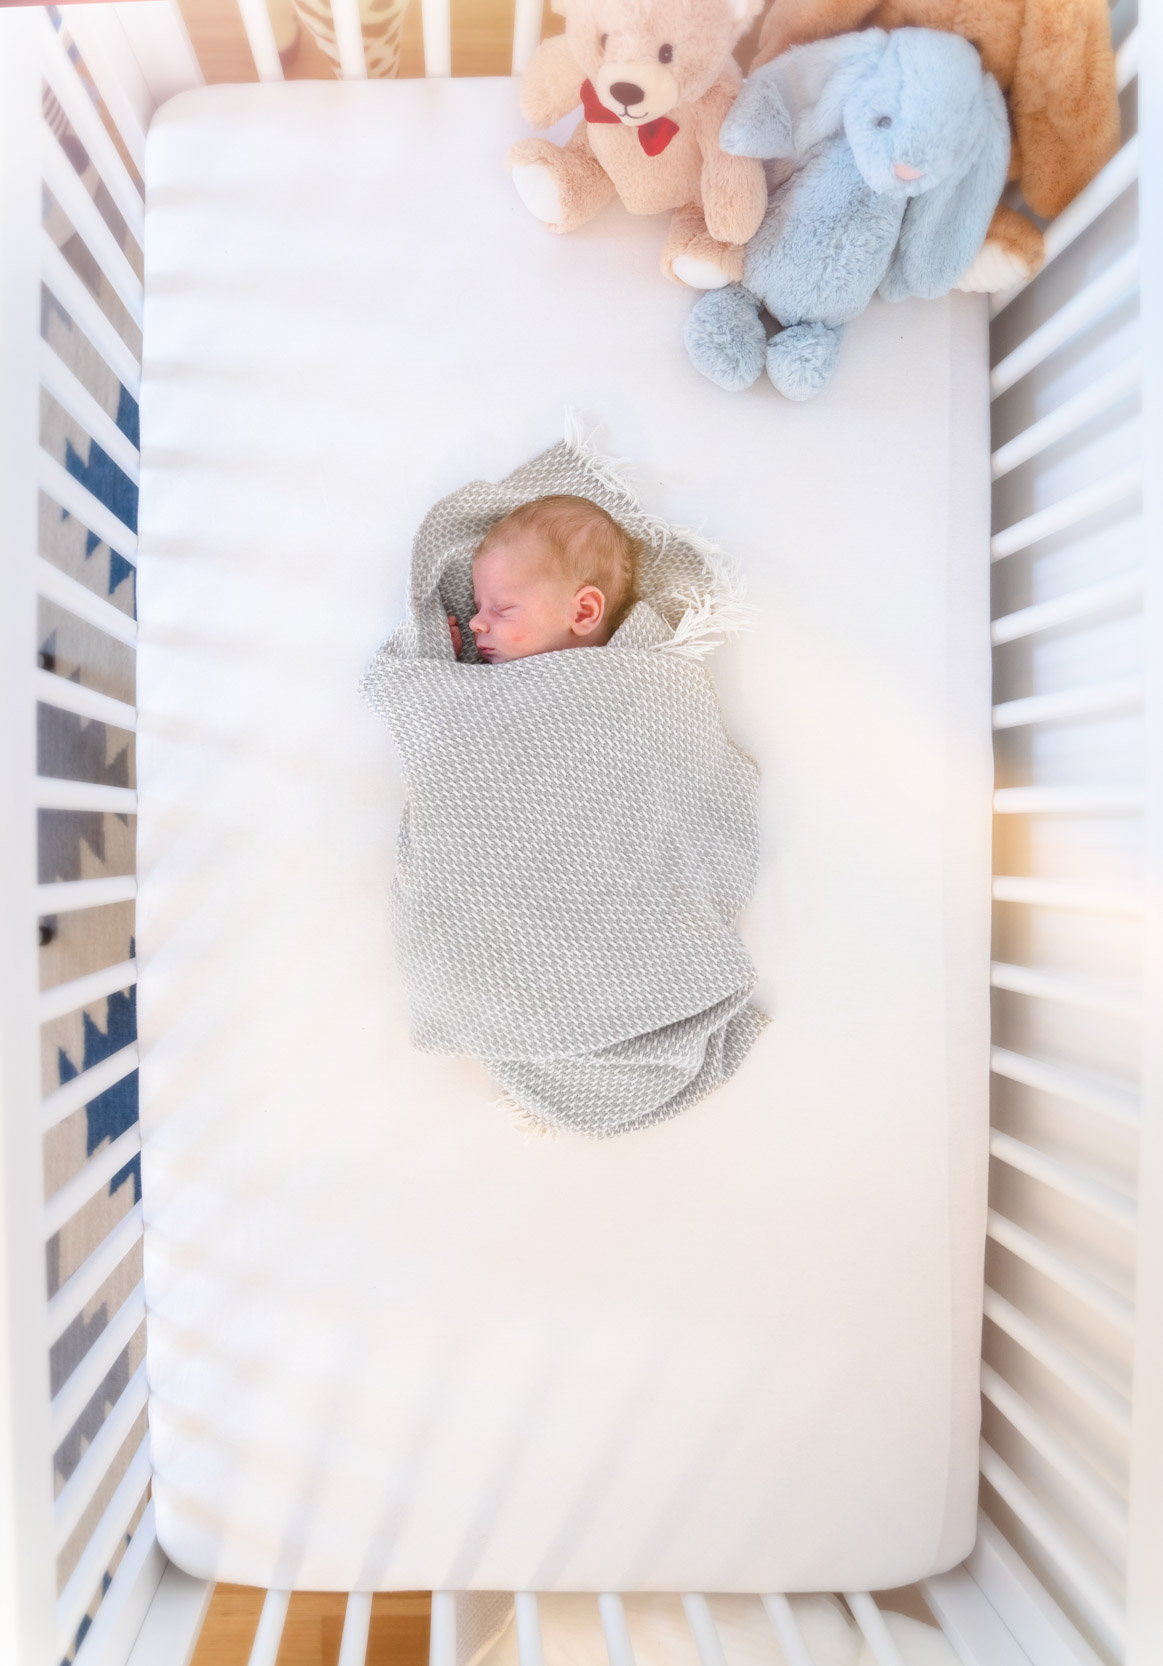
<point x="527" y="605"/>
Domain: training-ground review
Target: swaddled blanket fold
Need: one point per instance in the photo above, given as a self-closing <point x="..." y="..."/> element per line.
<point x="580" y="832"/>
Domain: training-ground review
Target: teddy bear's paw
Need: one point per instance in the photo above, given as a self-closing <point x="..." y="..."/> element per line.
<point x="995" y="267"/>
<point x="538" y="190"/>
<point x="725" y="339"/>
<point x="700" y="273"/>
<point x="801" y="359"/>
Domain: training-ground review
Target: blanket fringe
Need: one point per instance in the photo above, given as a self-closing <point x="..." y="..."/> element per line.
<point x="522" y="1120"/>
<point x="711" y="613"/>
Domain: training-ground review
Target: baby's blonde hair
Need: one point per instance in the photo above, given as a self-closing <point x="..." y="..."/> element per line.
<point x="590" y="544"/>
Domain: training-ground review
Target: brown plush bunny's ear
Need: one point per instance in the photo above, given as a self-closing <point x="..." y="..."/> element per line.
<point x="796" y="22"/>
<point x="1064" y="100"/>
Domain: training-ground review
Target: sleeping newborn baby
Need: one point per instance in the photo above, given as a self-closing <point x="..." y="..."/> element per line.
<point x="557" y="573"/>
<point x="580" y="831"/>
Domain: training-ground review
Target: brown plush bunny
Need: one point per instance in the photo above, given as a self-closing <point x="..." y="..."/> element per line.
<point x="1053" y="61"/>
<point x="654" y="80"/>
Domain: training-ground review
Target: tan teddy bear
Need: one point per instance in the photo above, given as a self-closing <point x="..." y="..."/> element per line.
<point x="655" y="78"/>
<point x="1053" y="61"/>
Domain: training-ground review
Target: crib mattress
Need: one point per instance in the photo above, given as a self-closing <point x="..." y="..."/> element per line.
<point x="393" y="1343"/>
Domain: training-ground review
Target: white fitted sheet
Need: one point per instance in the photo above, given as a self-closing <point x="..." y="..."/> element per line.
<point x="391" y="1342"/>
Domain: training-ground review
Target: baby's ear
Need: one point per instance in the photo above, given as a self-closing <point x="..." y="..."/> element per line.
<point x="589" y="609"/>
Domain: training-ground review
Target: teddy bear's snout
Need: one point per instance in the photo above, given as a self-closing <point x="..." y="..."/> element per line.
<point x="627" y="93"/>
<point x="903" y="171"/>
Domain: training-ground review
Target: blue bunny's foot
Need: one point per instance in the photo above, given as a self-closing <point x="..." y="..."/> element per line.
<point x="801" y="359"/>
<point x="725" y="339"/>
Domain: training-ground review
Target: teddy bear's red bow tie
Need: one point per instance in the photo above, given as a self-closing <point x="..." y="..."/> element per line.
<point x="653" y="136"/>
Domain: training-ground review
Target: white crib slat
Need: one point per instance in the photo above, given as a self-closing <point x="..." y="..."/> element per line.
<point x="1103" y="1611"/>
<point x="1104" y="1098"/>
<point x="1114" y="1206"/>
<point x="1070" y="320"/>
<point x="99" y="1551"/>
<point x="70" y="1096"/>
<point x="59" y="277"/>
<point x="526" y="33"/>
<point x="868" y="1617"/>
<point x="1048" y="893"/>
<point x="1067" y="512"/>
<point x="349" y="39"/>
<point x="260" y="35"/>
<point x="615" y="1630"/>
<point x="81" y="1488"/>
<point x="357" y="1621"/>
<point x="115" y="71"/>
<point x="1096" y="700"/>
<point x="78" y="599"/>
<point x="83" y="701"/>
<point x="64" y="490"/>
<point x="1071" y="992"/>
<point x="75" y="398"/>
<point x="703" y="1631"/>
<point x="62" y="896"/>
<point x="77" y="105"/>
<point x="1078" y="1378"/>
<point x="1107" y="596"/>
<point x="265" y="1648"/>
<point x="1099" y="1297"/>
<point x="442" y="1629"/>
<point x="67" y="187"/>
<point x="68" y="1199"/>
<point x="53" y="793"/>
<point x="78" y="992"/>
<point x="783" y="1622"/>
<point x="529" y="1647"/>
<point x="1071" y="415"/>
<point x="1101" y="1501"/>
<point x="1068" y="801"/>
<point x="78" y="1290"/>
<point x="436" y="16"/>
<point x="1127" y="60"/>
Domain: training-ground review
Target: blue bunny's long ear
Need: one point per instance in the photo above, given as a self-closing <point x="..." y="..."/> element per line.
<point x="943" y="229"/>
<point x="797" y="100"/>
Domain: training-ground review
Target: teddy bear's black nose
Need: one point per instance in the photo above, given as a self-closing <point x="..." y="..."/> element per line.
<point x="627" y="93"/>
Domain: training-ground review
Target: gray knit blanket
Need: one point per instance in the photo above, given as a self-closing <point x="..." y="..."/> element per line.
<point x="580" y="832"/>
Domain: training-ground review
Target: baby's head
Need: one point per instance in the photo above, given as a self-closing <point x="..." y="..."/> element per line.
<point x="556" y="573"/>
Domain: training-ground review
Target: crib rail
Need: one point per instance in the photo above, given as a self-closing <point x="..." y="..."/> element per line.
<point x="1064" y="1572"/>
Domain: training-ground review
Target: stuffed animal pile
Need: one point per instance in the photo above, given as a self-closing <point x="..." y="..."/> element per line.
<point x="867" y="152"/>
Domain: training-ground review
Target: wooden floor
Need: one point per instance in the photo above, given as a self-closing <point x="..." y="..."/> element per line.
<point x="482" y="41"/>
<point x="398" y="1635"/>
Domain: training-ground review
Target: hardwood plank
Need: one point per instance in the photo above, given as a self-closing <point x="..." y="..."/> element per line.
<point x="398" y="1635"/>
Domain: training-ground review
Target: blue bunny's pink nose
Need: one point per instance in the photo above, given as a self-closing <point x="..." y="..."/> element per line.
<point x="903" y="171"/>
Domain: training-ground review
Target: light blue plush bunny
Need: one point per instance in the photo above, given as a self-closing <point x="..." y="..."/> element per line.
<point x="898" y="146"/>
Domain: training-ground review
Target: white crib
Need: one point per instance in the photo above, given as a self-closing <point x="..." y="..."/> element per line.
<point x="1068" y="1565"/>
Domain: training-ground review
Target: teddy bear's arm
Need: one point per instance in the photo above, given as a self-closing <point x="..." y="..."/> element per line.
<point x="551" y="84"/>
<point x="734" y="188"/>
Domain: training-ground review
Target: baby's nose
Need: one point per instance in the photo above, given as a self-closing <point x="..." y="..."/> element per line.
<point x="476" y="623"/>
<point x="903" y="171"/>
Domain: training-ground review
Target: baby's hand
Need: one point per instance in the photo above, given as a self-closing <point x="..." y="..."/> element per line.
<point x="457" y="641"/>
